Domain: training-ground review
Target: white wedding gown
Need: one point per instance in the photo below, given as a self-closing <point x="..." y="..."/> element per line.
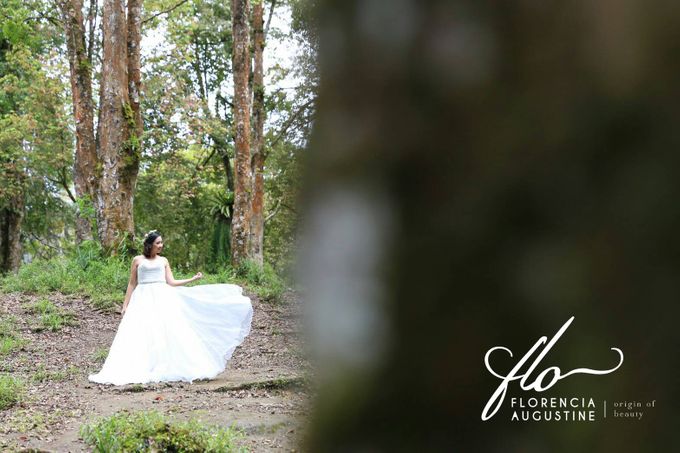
<point x="175" y="333"/>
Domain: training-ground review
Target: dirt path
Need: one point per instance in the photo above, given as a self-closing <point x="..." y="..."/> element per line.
<point x="262" y="392"/>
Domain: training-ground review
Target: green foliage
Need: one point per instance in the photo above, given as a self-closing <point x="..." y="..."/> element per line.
<point x="35" y="138"/>
<point x="189" y="85"/>
<point x="11" y="391"/>
<point x="188" y="144"/>
<point x="283" y="180"/>
<point x="174" y="199"/>
<point x="222" y="202"/>
<point x="151" y="431"/>
<point x="84" y="271"/>
<point x="220" y="248"/>
<point x="262" y="280"/>
<point x="133" y="144"/>
<point x="86" y="210"/>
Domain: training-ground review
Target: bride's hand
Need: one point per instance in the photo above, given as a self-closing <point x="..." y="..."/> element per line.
<point x="198" y="276"/>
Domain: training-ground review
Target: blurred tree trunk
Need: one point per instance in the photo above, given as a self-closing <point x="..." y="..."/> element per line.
<point x="119" y="127"/>
<point x="258" y="157"/>
<point x="240" y="226"/>
<point x="80" y="66"/>
<point x="477" y="176"/>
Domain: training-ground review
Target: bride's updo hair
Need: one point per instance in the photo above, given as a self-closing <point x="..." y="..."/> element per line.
<point x="149" y="239"/>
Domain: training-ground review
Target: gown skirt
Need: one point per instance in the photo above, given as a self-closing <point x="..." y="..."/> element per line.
<point x="176" y="333"/>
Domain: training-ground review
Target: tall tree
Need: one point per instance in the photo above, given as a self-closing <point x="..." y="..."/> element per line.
<point x="119" y="141"/>
<point x="35" y="142"/>
<point x="12" y="173"/>
<point x="107" y="164"/>
<point x="240" y="227"/>
<point x="11" y="218"/>
<point x="80" y="65"/>
<point x="258" y="152"/>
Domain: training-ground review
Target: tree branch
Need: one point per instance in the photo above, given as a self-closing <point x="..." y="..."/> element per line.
<point x="36" y="238"/>
<point x="207" y="159"/>
<point x="224" y="100"/>
<point x="289" y="208"/>
<point x="62" y="181"/>
<point x="269" y="21"/>
<point x="169" y="10"/>
<point x="290" y="121"/>
<point x="92" y="23"/>
<point x="274" y="212"/>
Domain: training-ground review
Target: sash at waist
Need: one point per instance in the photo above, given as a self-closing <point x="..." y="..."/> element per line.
<point x="153" y="281"/>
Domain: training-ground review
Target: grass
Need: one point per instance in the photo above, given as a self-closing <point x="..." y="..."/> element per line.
<point x="31" y="420"/>
<point x="102" y="280"/>
<point x="149" y="431"/>
<point x="136" y="388"/>
<point x="11" y="391"/>
<point x="9" y="339"/>
<point x="51" y="317"/>
<point x="43" y="375"/>
<point x="86" y="272"/>
<point x="261" y="280"/>
<point x="100" y="355"/>
<point x="9" y="344"/>
<point x="7" y="326"/>
<point x="55" y="321"/>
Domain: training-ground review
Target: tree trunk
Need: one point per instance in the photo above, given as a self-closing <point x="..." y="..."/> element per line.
<point x="257" y="164"/>
<point x="134" y="65"/>
<point x="119" y="146"/>
<point x="11" y="219"/>
<point x="240" y="233"/>
<point x="83" y="109"/>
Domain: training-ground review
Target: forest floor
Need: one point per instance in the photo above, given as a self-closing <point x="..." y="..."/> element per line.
<point x="263" y="391"/>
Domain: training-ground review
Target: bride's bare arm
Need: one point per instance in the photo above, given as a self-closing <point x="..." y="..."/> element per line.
<point x="132" y="284"/>
<point x="170" y="280"/>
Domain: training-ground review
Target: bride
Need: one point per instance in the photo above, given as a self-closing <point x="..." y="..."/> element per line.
<point x="172" y="333"/>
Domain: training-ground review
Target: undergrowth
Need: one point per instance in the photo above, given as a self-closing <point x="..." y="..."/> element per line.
<point x="149" y="431"/>
<point x="9" y="338"/>
<point x="11" y="390"/>
<point x="261" y="280"/>
<point x="87" y="272"/>
<point x="51" y="317"/>
<point x="84" y="271"/>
